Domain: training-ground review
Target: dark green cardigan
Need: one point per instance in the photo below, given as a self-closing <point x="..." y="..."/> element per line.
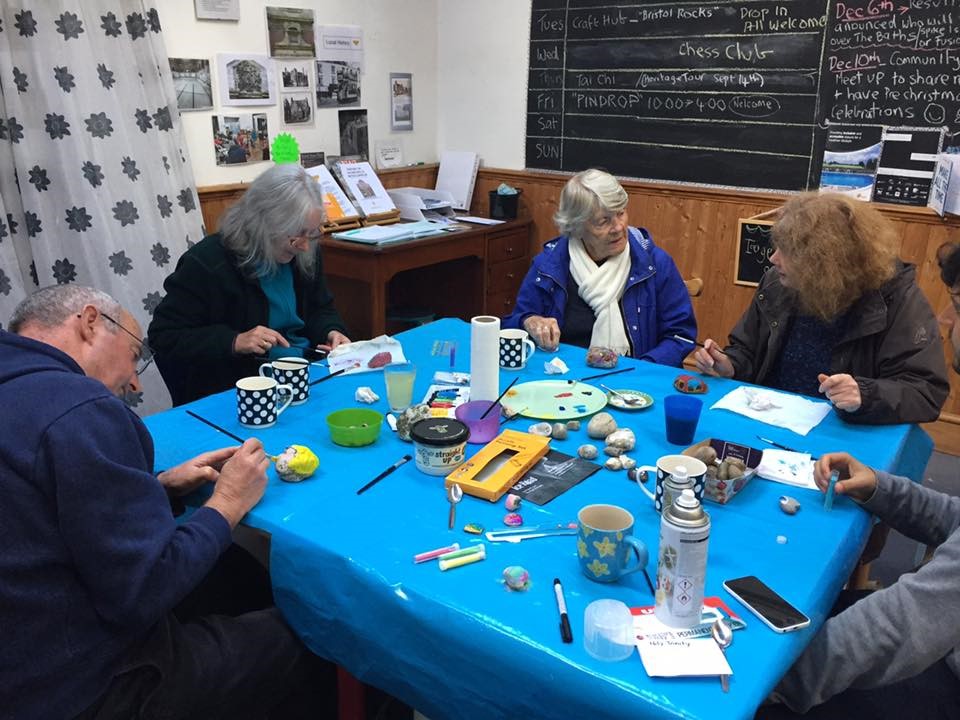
<point x="208" y="303"/>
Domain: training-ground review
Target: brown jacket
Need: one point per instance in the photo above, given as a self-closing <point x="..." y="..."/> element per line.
<point x="891" y="347"/>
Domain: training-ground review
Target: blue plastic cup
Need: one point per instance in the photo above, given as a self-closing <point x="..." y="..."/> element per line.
<point x="682" y="413"/>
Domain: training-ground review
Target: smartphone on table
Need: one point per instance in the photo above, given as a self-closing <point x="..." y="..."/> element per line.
<point x="766" y="604"/>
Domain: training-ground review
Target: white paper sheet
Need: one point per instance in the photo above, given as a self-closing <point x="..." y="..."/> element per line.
<point x="670" y="652"/>
<point x="478" y="220"/>
<point x="775" y="408"/>
<point x="790" y="468"/>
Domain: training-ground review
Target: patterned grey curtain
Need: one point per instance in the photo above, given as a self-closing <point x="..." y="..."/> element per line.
<point x="95" y="182"/>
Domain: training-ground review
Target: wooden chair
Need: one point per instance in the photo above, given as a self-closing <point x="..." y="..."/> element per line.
<point x="694" y="286"/>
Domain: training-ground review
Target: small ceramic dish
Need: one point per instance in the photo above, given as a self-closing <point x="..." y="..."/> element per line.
<point x="620" y="399"/>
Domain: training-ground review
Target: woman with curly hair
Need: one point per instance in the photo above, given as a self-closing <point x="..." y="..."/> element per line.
<point x="840" y="315"/>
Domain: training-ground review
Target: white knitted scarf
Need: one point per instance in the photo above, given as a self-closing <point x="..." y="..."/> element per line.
<point x="601" y="287"/>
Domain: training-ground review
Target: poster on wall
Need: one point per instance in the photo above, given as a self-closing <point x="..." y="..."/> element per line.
<point x="850" y="157"/>
<point x="298" y="109"/>
<point x="338" y="84"/>
<point x="401" y="101"/>
<point x="907" y="161"/>
<point x="290" y="32"/>
<point x="294" y="75"/>
<point x="241" y="138"/>
<point x="245" y="79"/>
<point x="341" y="42"/>
<point x="353" y="133"/>
<point x="191" y="81"/>
<point x="217" y="9"/>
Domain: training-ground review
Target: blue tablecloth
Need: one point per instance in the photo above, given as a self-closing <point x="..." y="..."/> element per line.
<point x="457" y="643"/>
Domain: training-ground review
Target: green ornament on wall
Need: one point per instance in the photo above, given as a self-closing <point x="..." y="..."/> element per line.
<point x="285" y="150"/>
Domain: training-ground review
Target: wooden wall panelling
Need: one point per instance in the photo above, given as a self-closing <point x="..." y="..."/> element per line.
<point x="214" y="199"/>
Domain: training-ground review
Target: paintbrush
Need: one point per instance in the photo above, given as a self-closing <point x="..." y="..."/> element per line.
<point x="341" y="371"/>
<point x="381" y="476"/>
<point x="224" y="431"/>
<point x="687" y="340"/>
<point x="601" y="375"/>
<point x="499" y="398"/>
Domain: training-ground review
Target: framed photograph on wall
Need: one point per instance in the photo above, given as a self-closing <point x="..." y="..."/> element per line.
<point x="297" y="109"/>
<point x="241" y="138"/>
<point x="338" y="83"/>
<point x="290" y="32"/>
<point x="294" y="75"/>
<point x="191" y="81"/>
<point x="246" y="79"/>
<point x="401" y="101"/>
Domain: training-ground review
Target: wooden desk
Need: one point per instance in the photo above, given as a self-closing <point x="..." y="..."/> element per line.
<point x="458" y="274"/>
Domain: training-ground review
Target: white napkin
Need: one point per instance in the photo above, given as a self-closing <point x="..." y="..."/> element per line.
<point x="365" y="394"/>
<point x="791" y="468"/>
<point x="555" y="367"/>
<point x="784" y="410"/>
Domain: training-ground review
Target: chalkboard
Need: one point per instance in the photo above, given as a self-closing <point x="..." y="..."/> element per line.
<point x="732" y="92"/>
<point x="754" y="249"/>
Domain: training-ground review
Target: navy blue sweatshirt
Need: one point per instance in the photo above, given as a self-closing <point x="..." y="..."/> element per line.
<point x="90" y="554"/>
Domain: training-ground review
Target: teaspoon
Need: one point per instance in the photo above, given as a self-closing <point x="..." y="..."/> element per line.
<point x="454" y="495"/>
<point x="723" y="635"/>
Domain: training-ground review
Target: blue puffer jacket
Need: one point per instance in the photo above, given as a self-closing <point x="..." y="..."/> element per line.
<point x="655" y="303"/>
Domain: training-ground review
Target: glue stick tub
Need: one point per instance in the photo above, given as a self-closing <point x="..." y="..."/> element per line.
<point x="439" y="444"/>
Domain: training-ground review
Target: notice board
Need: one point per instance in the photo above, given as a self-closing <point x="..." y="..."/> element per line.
<point x="754" y="249"/>
<point x="733" y="92"/>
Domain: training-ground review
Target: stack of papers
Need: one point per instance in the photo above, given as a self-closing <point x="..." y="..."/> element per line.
<point x="381" y="234"/>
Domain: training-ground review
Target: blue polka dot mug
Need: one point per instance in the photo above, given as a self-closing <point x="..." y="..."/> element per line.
<point x="516" y="347"/>
<point x="260" y="400"/>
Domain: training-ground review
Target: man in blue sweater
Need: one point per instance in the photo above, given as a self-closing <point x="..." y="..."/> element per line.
<point x="91" y="560"/>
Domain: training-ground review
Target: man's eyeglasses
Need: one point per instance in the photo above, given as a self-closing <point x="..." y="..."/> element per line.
<point x="146" y="354"/>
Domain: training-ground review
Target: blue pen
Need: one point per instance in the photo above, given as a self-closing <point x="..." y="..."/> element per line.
<point x="828" y="500"/>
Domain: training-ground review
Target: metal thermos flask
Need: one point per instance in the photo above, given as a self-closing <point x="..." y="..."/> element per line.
<point x="682" y="561"/>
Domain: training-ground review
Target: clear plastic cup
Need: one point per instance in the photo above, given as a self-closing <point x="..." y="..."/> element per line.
<point x="608" y="630"/>
<point x="399" y="378"/>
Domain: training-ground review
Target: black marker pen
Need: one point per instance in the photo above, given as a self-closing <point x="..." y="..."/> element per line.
<point x="565" y="633"/>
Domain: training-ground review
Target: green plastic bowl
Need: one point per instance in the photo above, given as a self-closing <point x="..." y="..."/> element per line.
<point x="354" y="427"/>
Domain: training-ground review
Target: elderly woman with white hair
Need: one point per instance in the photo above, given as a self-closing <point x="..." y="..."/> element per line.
<point x="604" y="283"/>
<point x="249" y="293"/>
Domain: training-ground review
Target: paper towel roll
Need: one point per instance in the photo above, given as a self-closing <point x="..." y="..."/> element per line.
<point x="484" y="357"/>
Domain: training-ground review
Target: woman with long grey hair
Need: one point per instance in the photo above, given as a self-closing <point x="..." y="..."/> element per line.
<point x="251" y="292"/>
